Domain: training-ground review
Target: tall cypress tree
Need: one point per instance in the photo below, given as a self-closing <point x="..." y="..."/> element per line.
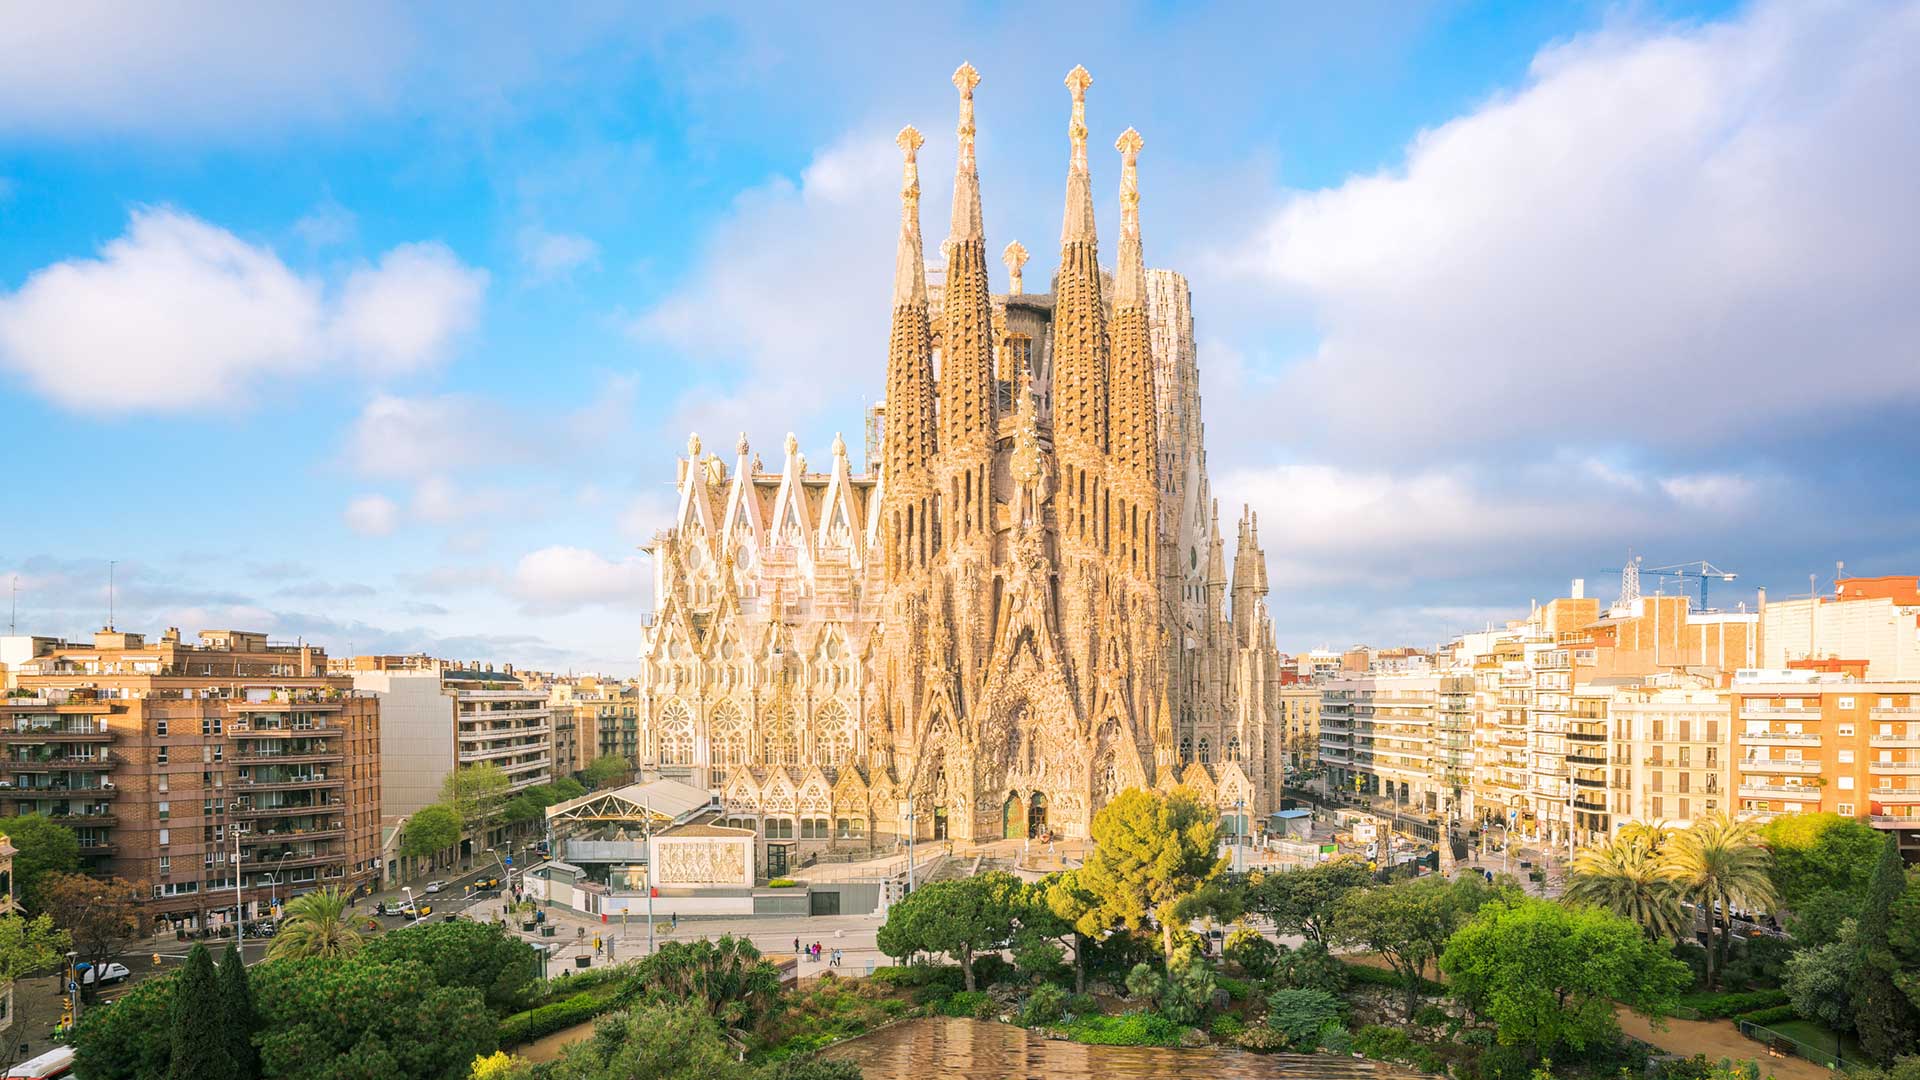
<point x="236" y="1001"/>
<point x="1885" y="1017"/>
<point x="199" y="1023"/>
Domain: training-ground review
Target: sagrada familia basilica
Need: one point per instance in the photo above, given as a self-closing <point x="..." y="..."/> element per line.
<point x="1023" y="611"/>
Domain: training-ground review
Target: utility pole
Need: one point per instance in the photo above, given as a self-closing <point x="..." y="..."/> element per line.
<point x="909" y="845"/>
<point x="651" y="878"/>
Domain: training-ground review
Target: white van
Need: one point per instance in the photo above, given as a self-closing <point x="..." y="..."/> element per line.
<point x="55" y="1062"/>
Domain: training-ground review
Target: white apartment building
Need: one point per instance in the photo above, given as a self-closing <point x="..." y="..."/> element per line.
<point x="438" y="715"/>
<point x="1401" y="738"/>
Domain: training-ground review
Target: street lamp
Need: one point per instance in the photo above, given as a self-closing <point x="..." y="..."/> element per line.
<point x="910" y="831"/>
<point x="273" y="882"/>
<point x="1237" y="805"/>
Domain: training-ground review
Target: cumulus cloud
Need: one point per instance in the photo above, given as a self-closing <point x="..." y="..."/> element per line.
<point x="372" y="515"/>
<point x="559" y="579"/>
<point x="813" y="261"/>
<point x="398" y="436"/>
<point x="178" y="314"/>
<point x="1679" y="232"/>
<point x="548" y="256"/>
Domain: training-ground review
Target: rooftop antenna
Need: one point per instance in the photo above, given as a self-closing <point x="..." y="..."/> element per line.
<point x="111" y="563"/>
<point x="13" y="614"/>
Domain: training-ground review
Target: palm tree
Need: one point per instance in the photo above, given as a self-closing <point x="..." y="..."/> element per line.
<point x="1627" y="878"/>
<point x="316" y="925"/>
<point x="1720" y="864"/>
<point x="1647" y="837"/>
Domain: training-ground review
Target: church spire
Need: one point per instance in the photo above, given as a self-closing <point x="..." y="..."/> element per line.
<point x="1130" y="279"/>
<point x="1078" y="225"/>
<point x="966" y="366"/>
<point x="908" y="446"/>
<point x="1080" y="330"/>
<point x="1132" y="400"/>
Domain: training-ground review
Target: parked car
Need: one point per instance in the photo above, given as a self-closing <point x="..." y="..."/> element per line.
<point x="435" y="886"/>
<point x="420" y="912"/>
<point x="107" y="975"/>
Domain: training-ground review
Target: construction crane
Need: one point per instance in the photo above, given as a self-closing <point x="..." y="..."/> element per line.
<point x="1701" y="572"/>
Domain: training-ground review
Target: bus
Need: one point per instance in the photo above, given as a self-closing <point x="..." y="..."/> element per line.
<point x="55" y="1062"/>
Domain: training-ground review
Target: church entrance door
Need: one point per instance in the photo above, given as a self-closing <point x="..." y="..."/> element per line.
<point x="1037" y="814"/>
<point x="1012" y="818"/>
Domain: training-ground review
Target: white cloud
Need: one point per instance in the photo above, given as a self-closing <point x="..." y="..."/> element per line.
<point x="399" y="315"/>
<point x="428" y="436"/>
<point x="1681" y="233"/>
<point x="326" y="225"/>
<point x="813" y="261"/>
<point x="559" y="579"/>
<point x="549" y="256"/>
<point x="372" y="515"/>
<point x="1711" y="491"/>
<point x="179" y="314"/>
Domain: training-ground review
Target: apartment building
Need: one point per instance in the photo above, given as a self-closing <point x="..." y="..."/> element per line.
<point x="232" y="770"/>
<point x="1671" y="752"/>
<point x="1872" y="619"/>
<point x="1300" y="724"/>
<point x="606" y="716"/>
<point x="1405" y="739"/>
<point x="1816" y="741"/>
<point x="439" y="715"/>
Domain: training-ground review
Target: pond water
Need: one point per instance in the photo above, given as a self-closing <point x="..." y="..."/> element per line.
<point x="979" y="1050"/>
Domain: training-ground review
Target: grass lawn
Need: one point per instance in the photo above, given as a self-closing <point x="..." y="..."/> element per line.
<point x="1820" y="1037"/>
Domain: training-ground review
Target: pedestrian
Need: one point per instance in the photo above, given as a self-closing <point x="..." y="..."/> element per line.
<point x="796" y="946"/>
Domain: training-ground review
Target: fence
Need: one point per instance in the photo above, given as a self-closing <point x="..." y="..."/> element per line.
<point x="1781" y="1044"/>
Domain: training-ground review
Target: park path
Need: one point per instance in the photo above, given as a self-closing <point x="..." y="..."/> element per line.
<point x="1717" y="1039"/>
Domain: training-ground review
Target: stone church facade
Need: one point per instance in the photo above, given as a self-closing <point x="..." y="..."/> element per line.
<point x="1023" y="610"/>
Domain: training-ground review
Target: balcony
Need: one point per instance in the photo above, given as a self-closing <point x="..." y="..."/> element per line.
<point x="1794" y="793"/>
<point x="1894" y="821"/>
<point x="1581" y="757"/>
<point x="314" y="757"/>
<point x="282" y="836"/>
<point x="1895" y="740"/>
<point x="46" y="733"/>
<point x="81" y="821"/>
<point x="1775" y="712"/>
<point x="288" y="783"/>
<point x="1895" y="712"/>
<point x="272" y="862"/>
<point x="287" y="703"/>
<point x="1590" y="781"/>
<point x="285" y="731"/>
<point x="59" y="790"/>
<point x="1894" y="768"/>
<point x="246" y="811"/>
<point x="1775" y="765"/>
<point x="93" y="845"/>
<point x="59" y="763"/>
<point x="1781" y="738"/>
<point x="1586" y="736"/>
<point x="1896" y="796"/>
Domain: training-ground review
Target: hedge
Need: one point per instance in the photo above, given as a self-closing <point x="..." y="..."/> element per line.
<point x="557" y="1016"/>
<point x="1133" y="1029"/>
<point x="1779" y="1014"/>
<point x="1711" y="1006"/>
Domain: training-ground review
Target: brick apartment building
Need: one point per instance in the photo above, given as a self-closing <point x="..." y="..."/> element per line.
<point x="196" y="769"/>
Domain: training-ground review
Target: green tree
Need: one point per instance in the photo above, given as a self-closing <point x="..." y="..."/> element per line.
<point x="237" y="1009"/>
<point x="1078" y="909"/>
<point x="337" y="1019"/>
<point x="606" y="771"/>
<point x="811" y="1067"/>
<point x="1250" y="951"/>
<point x="1547" y="975"/>
<point x="727" y="978"/>
<point x="102" y="916"/>
<point x="1822" y="865"/>
<point x="1154" y="857"/>
<point x="478" y="794"/>
<point x="1819" y="979"/>
<point x="566" y="788"/>
<point x="198" y="1021"/>
<point x="44" y="846"/>
<point x="1720" y="864"/>
<point x="1884" y="1015"/>
<point x="484" y="957"/>
<point x="960" y="918"/>
<point x="1629" y="879"/>
<point x="429" y="831"/>
<point x="659" y="1041"/>
<point x="316" y="925"/>
<point x="1408" y="923"/>
<point x="133" y="1040"/>
<point x="1302" y="901"/>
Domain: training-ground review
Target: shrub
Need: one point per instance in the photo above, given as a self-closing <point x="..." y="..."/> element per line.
<point x="1145" y="983"/>
<point x="1310" y="967"/>
<point x="1237" y="989"/>
<point x="1333" y="1038"/>
<point x="1260" y="1039"/>
<point x="992" y="970"/>
<point x="968" y="1003"/>
<point x="1392" y="1044"/>
<point x="1779" y="1014"/>
<point x="1368" y="975"/>
<point x="1432" y="1016"/>
<point x="1251" y="952"/>
<point x="1046" y="1004"/>
<point x="1133" y="1029"/>
<point x="1082" y="1005"/>
<point x="1720" y="1006"/>
<point x="1759" y="963"/>
<point x="1227" y="1025"/>
<point x="527" y="1026"/>
<point x="918" y="975"/>
<point x="782" y="883"/>
<point x="1299" y="1015"/>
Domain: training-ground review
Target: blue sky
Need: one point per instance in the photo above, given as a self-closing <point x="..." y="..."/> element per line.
<point x="382" y="327"/>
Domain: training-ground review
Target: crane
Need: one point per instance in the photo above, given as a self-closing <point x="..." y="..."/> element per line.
<point x="1701" y="572"/>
